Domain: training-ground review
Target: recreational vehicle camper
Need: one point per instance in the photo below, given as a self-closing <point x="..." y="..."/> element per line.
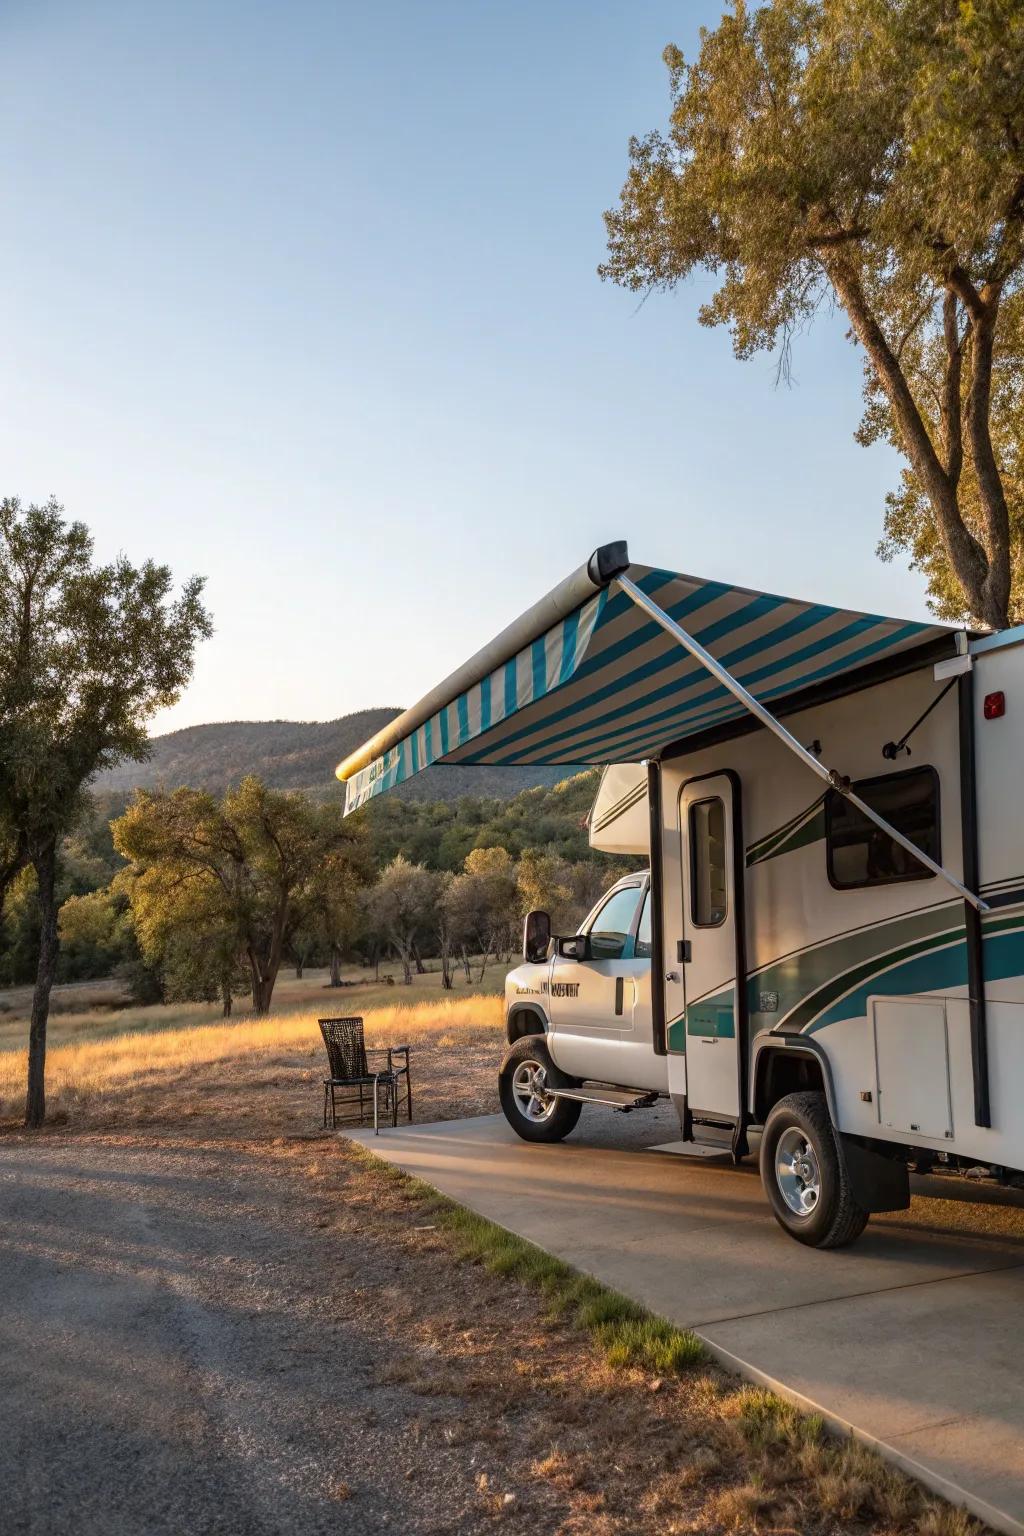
<point x="827" y="945"/>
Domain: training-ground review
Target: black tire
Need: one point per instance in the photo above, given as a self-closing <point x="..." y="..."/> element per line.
<point x="554" y="1119"/>
<point x="832" y="1217"/>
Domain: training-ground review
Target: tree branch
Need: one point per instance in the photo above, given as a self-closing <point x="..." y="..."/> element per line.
<point x="993" y="500"/>
<point x="966" y="555"/>
<point x="950" y="417"/>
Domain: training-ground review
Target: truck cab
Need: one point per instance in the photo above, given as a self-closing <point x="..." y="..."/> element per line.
<point x="592" y="999"/>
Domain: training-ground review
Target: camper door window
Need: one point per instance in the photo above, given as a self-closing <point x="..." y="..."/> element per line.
<point x="707" y="863"/>
<point x="859" y="853"/>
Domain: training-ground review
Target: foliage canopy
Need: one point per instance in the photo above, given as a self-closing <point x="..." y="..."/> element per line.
<point x="869" y="152"/>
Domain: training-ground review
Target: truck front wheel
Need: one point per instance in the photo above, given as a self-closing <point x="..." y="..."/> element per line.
<point x="526" y="1101"/>
<point x="803" y="1174"/>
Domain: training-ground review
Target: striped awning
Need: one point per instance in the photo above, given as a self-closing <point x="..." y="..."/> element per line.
<point x="604" y="683"/>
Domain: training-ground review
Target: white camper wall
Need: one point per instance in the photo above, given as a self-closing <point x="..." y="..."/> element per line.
<point x="999" y="755"/>
<point x="819" y="959"/>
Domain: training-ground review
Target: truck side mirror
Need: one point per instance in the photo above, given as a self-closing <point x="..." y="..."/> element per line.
<point x="576" y="946"/>
<point x="536" y="936"/>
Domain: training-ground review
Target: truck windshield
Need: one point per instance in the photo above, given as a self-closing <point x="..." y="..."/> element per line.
<point x="610" y="928"/>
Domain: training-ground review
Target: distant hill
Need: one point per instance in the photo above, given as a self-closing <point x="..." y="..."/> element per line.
<point x="293" y="754"/>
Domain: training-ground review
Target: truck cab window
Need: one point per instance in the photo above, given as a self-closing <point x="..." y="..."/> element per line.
<point x="611" y="927"/>
<point x="642" y="946"/>
<point x="859" y="853"/>
<point x="708" y="900"/>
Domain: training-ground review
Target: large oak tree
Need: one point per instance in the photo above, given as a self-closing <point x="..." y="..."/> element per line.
<point x="87" y="654"/>
<point x="230" y="876"/>
<point x="869" y="152"/>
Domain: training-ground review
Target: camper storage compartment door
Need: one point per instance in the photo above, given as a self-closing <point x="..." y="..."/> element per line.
<point x="912" y="1066"/>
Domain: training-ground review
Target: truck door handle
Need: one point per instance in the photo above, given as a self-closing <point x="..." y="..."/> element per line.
<point x="672" y="976"/>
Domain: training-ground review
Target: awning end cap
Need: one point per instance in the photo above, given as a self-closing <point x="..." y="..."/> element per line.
<point x="608" y="562"/>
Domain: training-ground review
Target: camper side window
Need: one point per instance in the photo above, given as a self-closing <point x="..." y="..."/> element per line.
<point x="707" y="863"/>
<point x="859" y="853"/>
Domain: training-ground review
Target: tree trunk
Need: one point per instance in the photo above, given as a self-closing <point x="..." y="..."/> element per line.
<point x="264" y="992"/>
<point x="46" y="875"/>
<point x="335" y="966"/>
<point x="971" y="561"/>
<point x="254" y="980"/>
<point x="421" y="969"/>
<point x="226" y="999"/>
<point x="298" y="970"/>
<point x="465" y="964"/>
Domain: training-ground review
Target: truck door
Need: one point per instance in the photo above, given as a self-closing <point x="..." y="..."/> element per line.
<point x="708" y="826"/>
<point x="588" y="998"/>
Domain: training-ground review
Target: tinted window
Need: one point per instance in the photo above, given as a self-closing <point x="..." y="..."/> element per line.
<point x="610" y="928"/>
<point x="642" y="947"/>
<point x="859" y="853"/>
<point x="707" y="863"/>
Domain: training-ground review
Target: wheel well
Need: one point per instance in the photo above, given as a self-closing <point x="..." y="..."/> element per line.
<point x="523" y="1021"/>
<point x="782" y="1072"/>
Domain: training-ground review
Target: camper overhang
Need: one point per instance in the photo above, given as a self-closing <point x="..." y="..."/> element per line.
<point x="625" y="662"/>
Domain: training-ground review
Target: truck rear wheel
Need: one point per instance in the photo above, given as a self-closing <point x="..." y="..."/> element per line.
<point x="524" y="1090"/>
<point x="803" y="1174"/>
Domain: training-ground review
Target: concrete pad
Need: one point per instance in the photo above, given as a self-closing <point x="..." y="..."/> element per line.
<point x="911" y="1338"/>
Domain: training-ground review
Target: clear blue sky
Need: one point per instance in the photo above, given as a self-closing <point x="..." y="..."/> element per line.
<point x="303" y="297"/>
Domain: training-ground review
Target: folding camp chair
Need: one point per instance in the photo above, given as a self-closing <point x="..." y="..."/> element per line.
<point x="350" y="1072"/>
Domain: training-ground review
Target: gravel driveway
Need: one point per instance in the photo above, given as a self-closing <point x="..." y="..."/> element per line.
<point x="180" y="1352"/>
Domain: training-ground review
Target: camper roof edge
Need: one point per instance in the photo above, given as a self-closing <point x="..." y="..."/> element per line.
<point x="996" y="642"/>
<point x="606" y="562"/>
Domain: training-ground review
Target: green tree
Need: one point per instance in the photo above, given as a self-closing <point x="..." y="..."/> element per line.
<point x="402" y="908"/>
<point x="329" y="911"/>
<point x="88" y="653"/>
<point x="231" y="871"/>
<point x="95" y="934"/>
<point x="565" y="890"/>
<point x="869" y="152"/>
<point x="482" y="906"/>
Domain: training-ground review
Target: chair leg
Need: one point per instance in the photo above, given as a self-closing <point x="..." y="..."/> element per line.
<point x="408" y="1093"/>
<point x="334" y="1111"/>
<point x="376" y="1126"/>
<point x="325" y="1106"/>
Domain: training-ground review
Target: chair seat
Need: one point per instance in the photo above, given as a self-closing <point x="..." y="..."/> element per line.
<point x="353" y="1082"/>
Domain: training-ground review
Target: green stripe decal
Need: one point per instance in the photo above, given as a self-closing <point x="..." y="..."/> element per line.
<point x="806" y="827"/>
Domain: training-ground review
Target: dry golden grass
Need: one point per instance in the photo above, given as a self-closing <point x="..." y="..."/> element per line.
<point x="94" y="1010"/>
<point x="82" y="1071"/>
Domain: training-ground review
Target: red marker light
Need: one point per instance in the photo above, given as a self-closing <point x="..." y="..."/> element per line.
<point x="995" y="706"/>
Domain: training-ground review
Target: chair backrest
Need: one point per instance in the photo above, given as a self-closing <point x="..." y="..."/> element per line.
<point x="346" y="1050"/>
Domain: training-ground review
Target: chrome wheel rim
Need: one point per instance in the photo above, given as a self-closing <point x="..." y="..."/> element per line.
<point x="529" y="1089"/>
<point x="797" y="1173"/>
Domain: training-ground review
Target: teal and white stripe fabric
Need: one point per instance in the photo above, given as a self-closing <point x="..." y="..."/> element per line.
<point x="606" y="684"/>
<point x="525" y="678"/>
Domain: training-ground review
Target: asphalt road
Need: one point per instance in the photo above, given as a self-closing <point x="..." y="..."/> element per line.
<point x="182" y="1351"/>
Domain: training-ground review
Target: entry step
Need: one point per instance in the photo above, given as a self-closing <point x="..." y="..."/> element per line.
<point x="618" y="1098"/>
<point x="700" y="1149"/>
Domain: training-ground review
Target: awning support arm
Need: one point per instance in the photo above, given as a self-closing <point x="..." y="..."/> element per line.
<point x="832" y="778"/>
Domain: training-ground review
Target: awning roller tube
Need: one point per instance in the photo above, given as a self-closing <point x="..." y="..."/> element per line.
<point x="604" y="564"/>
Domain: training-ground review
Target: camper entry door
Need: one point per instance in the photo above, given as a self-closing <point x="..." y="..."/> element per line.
<point x="706" y="829"/>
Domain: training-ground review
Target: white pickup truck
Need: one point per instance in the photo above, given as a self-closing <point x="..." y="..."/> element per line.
<point x="583" y="1013"/>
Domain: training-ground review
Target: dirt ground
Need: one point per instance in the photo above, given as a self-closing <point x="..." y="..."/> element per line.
<point x="218" y="1319"/>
